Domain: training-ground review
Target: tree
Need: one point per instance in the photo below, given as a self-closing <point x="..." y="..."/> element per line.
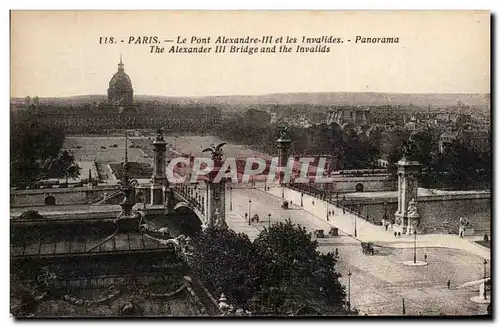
<point x="296" y="274"/>
<point x="64" y="166"/>
<point x="459" y="167"/>
<point x="227" y="262"/>
<point x="32" y="143"/>
<point x="31" y="214"/>
<point x="277" y="274"/>
<point x="257" y="117"/>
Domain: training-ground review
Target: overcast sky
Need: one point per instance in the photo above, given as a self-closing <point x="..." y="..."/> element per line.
<point x="58" y="53"/>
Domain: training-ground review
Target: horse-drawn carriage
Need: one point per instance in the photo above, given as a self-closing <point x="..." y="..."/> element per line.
<point x="368" y="248"/>
<point x="285" y="205"/>
<point x="319" y="233"/>
<point x="334" y="231"/>
<point x="255" y="219"/>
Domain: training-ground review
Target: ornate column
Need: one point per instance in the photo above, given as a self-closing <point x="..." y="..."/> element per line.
<point x="215" y="204"/>
<point x="284" y="142"/>
<point x="407" y="218"/>
<point x="159" y="182"/>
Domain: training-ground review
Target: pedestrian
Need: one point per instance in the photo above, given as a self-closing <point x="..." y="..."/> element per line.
<point x="333" y="212"/>
<point x="246" y="216"/>
<point x="448" y="283"/>
<point x="343" y="210"/>
<point x="336" y="252"/>
<point x="399" y="234"/>
<point x="386" y="226"/>
<point x="425" y="257"/>
<point x="395" y="234"/>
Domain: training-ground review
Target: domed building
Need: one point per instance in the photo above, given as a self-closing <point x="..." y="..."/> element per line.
<point x="120" y="92"/>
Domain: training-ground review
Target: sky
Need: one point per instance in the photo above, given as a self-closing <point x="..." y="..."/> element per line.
<point x="57" y="53"/>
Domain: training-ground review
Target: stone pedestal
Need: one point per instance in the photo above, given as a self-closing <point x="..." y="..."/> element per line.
<point x="483" y="296"/>
<point x="157" y="195"/>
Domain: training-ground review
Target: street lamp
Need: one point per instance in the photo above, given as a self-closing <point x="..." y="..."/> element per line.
<point x="349" y="290"/>
<point x="269" y="215"/>
<point x="355" y="224"/>
<point x="230" y="197"/>
<point x="327" y="213"/>
<point x="385" y="218"/>
<point x="249" y="211"/>
<point x="302" y="199"/>
<point x="484" y="278"/>
<point x="415" y="247"/>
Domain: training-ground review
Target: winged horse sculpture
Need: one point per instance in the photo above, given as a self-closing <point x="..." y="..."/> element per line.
<point x="216" y="151"/>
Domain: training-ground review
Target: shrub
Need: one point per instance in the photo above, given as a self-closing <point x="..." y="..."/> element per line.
<point x="31" y="214"/>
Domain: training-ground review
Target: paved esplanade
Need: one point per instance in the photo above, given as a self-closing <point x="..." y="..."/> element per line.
<point x="379" y="282"/>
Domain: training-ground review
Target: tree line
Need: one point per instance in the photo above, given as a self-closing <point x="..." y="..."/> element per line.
<point x="456" y="165"/>
<point x="279" y="273"/>
<point x="35" y="152"/>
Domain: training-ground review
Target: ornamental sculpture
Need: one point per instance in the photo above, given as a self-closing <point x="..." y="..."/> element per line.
<point x="285" y="133"/>
<point x="216" y="151"/>
<point x="412" y="208"/>
<point x="410" y="150"/>
<point x="159" y="134"/>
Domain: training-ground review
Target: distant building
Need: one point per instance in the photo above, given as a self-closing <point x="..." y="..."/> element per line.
<point x="446" y="139"/>
<point x="412" y="124"/>
<point x="274" y="120"/>
<point x="343" y="116"/>
<point x="120" y="91"/>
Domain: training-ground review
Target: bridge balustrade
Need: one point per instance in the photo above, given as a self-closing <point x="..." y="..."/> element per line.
<point x="347" y="205"/>
<point x="190" y="194"/>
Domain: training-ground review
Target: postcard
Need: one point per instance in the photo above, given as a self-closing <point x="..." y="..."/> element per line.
<point x="250" y="164"/>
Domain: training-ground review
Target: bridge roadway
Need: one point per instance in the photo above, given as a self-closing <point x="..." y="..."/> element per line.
<point x="379" y="282"/>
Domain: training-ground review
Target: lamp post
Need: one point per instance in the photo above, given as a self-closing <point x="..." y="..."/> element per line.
<point x="415" y="247"/>
<point x="269" y="216"/>
<point x="349" y="290"/>
<point x="385" y="218"/>
<point x="302" y="199"/>
<point x="484" y="277"/>
<point x="230" y="197"/>
<point x="327" y="213"/>
<point x="355" y="225"/>
<point x="249" y="211"/>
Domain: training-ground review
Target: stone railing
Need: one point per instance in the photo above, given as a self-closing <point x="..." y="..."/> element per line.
<point x="191" y="195"/>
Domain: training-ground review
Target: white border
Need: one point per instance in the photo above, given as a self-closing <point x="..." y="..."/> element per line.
<point x="492" y="5"/>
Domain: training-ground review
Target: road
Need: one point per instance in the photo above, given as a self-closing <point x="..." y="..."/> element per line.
<point x="380" y="282"/>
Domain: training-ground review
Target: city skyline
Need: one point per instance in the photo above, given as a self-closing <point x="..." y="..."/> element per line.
<point x="437" y="54"/>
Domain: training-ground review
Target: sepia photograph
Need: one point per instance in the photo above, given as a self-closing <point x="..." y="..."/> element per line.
<point x="250" y="164"/>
